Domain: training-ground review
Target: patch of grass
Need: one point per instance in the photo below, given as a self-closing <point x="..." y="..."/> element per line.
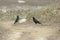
<point x="43" y="14"/>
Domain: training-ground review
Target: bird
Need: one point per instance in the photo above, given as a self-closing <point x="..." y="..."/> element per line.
<point x="17" y="19"/>
<point x="36" y="21"/>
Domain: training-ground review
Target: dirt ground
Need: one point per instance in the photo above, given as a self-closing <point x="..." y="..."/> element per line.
<point x="29" y="31"/>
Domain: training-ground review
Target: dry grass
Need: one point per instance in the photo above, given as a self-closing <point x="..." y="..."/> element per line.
<point x="48" y="30"/>
<point x="51" y="15"/>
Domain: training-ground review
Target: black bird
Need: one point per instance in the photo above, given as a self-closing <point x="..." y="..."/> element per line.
<point x="17" y="19"/>
<point x="36" y="21"/>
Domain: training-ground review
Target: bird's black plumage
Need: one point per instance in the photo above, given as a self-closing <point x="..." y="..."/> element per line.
<point x="17" y="19"/>
<point x="36" y="21"/>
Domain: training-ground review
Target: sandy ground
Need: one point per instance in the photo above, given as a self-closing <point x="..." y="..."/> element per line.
<point x="28" y="31"/>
